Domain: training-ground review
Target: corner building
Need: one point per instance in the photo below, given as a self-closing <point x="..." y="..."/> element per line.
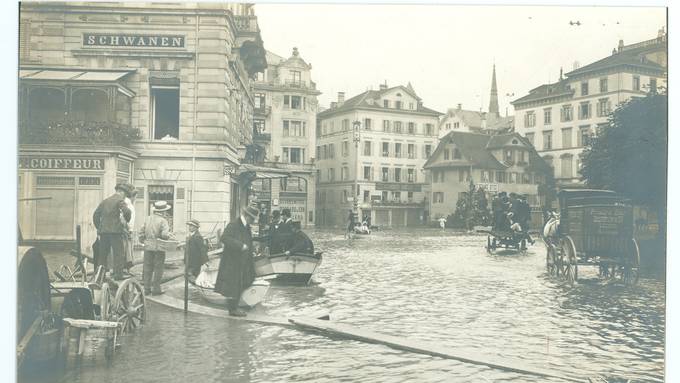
<point x="370" y="150"/>
<point x="157" y="94"/>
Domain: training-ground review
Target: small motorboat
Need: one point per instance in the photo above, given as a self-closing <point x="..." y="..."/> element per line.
<point x="294" y="268"/>
<point x="205" y="282"/>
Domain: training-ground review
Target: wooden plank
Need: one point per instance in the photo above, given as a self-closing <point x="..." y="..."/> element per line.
<point x="26" y="339"/>
<point x="343" y="330"/>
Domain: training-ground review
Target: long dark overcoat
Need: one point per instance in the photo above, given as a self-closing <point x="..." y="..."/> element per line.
<point x="195" y="253"/>
<point x="237" y="270"/>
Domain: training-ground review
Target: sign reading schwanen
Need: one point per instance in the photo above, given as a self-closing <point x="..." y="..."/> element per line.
<point x="121" y="40"/>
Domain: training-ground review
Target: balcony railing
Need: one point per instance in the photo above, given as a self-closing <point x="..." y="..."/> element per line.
<point x="79" y="133"/>
<point x="264" y="110"/>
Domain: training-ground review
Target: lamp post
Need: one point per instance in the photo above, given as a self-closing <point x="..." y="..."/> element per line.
<point x="357" y="138"/>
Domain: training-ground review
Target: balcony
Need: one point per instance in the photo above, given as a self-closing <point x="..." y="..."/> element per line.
<point x="263" y="111"/>
<point x="78" y="133"/>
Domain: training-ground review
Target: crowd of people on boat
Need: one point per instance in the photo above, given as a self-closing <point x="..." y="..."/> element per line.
<point x="511" y="213"/>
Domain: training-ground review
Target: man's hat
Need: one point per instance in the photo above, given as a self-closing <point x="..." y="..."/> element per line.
<point x="276" y="214"/>
<point x="502" y="194"/>
<point x="161" y="206"/>
<point x="194" y="222"/>
<point x="251" y="211"/>
<point x="285" y="212"/>
<point x="123" y="186"/>
<point x="513" y="194"/>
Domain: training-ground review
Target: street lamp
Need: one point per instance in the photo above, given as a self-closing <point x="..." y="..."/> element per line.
<point x="357" y="138"/>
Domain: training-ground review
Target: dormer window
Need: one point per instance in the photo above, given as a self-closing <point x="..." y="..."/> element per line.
<point x="386" y="103"/>
<point x="515" y="142"/>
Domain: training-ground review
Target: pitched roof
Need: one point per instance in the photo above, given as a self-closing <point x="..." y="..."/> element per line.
<point x="473" y="119"/>
<point x="472" y="146"/>
<point x="477" y="147"/>
<point x="560" y="88"/>
<point x="273" y="58"/>
<point x="632" y="55"/>
<point x="361" y="100"/>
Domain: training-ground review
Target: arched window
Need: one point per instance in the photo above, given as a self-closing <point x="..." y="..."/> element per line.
<point x="89" y="105"/>
<point x="46" y="105"/>
<point x="294" y="185"/>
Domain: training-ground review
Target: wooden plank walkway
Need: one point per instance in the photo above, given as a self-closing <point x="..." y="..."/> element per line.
<point x="335" y="329"/>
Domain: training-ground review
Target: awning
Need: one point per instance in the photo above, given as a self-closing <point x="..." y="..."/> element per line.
<point x="110" y="77"/>
<point x="72" y="75"/>
<point x="261" y="172"/>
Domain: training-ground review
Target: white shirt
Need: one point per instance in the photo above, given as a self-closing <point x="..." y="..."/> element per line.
<point x="243" y="220"/>
<point x="131" y="206"/>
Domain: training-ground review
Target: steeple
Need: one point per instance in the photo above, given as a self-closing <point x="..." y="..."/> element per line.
<point x="493" y="100"/>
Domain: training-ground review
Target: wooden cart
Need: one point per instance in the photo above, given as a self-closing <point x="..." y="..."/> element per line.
<point x="505" y="239"/>
<point x="595" y="228"/>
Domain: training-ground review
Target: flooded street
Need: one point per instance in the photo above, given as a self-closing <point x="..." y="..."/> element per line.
<point x="420" y="284"/>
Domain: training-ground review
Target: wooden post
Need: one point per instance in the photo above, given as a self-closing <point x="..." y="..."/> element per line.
<point x="186" y="276"/>
<point x="79" y="254"/>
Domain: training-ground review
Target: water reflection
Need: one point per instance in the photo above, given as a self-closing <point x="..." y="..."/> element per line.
<point x="430" y="285"/>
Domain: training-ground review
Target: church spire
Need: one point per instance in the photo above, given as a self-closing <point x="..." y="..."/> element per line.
<point x="493" y="100"/>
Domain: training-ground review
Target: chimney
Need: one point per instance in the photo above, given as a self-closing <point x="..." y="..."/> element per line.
<point x="460" y="106"/>
<point x="383" y="86"/>
<point x="613" y="51"/>
<point x="341" y="98"/>
<point x="576" y="65"/>
<point x="561" y="73"/>
<point x="620" y="45"/>
<point x="662" y="32"/>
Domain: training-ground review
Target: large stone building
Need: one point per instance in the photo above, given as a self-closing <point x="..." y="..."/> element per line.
<point x="503" y="162"/>
<point x="463" y="120"/>
<point x="559" y="118"/>
<point x="158" y="94"/>
<point x="285" y="126"/>
<point x="370" y="150"/>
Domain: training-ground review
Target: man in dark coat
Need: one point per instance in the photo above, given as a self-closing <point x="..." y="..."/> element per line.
<point x="275" y="244"/>
<point x="112" y="230"/>
<point x="237" y="270"/>
<point x="498" y="209"/>
<point x="300" y="242"/>
<point x="283" y="233"/>
<point x="196" y="251"/>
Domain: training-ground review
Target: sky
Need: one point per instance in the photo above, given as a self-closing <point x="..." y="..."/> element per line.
<point x="447" y="52"/>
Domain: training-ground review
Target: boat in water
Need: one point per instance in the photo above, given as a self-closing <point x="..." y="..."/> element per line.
<point x="293" y="268"/>
<point x="205" y="282"/>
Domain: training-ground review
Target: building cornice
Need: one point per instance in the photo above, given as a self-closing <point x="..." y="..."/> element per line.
<point x="331" y="112"/>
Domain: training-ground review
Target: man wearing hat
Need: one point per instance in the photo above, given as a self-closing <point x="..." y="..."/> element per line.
<point x="237" y="270"/>
<point x="196" y="251"/>
<point x="300" y="243"/>
<point x="112" y="230"/>
<point x="155" y="227"/>
<point x="497" y="207"/>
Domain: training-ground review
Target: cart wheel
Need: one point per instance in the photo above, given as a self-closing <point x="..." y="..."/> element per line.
<point x="130" y="305"/>
<point x="106" y="303"/>
<point x="631" y="267"/>
<point x="569" y="267"/>
<point x="488" y="244"/>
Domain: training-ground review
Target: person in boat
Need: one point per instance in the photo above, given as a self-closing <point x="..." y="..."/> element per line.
<point x="237" y="271"/>
<point x="196" y="251"/>
<point x="282" y="234"/>
<point x="300" y="242"/>
<point x="155" y="227"/>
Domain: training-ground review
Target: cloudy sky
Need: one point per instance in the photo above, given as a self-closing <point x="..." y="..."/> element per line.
<point x="446" y="51"/>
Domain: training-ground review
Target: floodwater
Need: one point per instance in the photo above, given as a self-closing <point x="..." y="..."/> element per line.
<point x="423" y="284"/>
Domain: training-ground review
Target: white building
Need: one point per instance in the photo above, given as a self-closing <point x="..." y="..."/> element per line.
<point x="285" y="125"/>
<point x="396" y="136"/>
<point x="559" y="118"/>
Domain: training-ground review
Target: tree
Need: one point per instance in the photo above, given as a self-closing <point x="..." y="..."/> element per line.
<point x="629" y="154"/>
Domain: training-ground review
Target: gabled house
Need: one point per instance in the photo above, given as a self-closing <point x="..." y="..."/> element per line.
<point x="504" y="162"/>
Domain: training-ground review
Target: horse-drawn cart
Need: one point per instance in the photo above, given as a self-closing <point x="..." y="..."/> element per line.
<point x="594" y="228"/>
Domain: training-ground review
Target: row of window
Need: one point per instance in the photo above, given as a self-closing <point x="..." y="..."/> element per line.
<point x="388" y="126"/>
<point x="396" y="196"/>
<point x="291" y="128"/>
<point x="567" y="113"/>
<point x="604" y="85"/>
<point x="398" y="104"/>
<point x="490" y="176"/>
<point x="386" y="174"/>
<point x="396" y="150"/>
<point x="582" y="139"/>
<point x="566" y="165"/>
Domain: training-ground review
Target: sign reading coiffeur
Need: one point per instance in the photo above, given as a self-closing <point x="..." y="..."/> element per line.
<point x="61" y="163"/>
<point x="133" y="41"/>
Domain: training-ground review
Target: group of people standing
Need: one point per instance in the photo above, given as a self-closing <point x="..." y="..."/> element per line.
<point x="511" y="213"/>
<point x="114" y="220"/>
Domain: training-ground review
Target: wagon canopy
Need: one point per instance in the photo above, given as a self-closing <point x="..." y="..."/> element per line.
<point x="585" y="197"/>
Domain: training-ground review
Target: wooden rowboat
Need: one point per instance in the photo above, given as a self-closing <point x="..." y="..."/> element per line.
<point x="294" y="268"/>
<point x="205" y="282"/>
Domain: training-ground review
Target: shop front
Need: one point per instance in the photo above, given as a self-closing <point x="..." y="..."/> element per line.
<point x="59" y="190"/>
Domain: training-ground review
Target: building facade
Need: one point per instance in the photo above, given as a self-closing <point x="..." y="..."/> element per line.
<point x="559" y="118"/>
<point x="370" y="151"/>
<point x="504" y="162"/>
<point x="285" y="126"/>
<point x="491" y="122"/>
<point x="159" y="95"/>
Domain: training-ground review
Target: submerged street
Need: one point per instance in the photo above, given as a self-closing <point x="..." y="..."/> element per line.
<point x="422" y="284"/>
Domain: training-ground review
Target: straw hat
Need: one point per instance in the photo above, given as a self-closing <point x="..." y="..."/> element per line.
<point x="194" y="222"/>
<point x="159" y="206"/>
